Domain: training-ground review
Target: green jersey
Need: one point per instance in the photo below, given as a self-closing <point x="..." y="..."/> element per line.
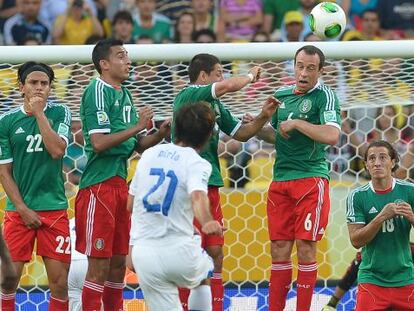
<point x="386" y="260"/>
<point x="225" y="121"/>
<point x="105" y="109"/>
<point x="37" y="175"/>
<point x="300" y="156"/>
<point x="159" y="31"/>
<point x="278" y="8"/>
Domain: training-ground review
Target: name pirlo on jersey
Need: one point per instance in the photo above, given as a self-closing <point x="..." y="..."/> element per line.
<point x="37" y="175"/>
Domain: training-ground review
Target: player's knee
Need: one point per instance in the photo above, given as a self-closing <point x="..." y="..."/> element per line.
<point x="281" y="250"/>
<point x="59" y="286"/>
<point x="306" y="251"/>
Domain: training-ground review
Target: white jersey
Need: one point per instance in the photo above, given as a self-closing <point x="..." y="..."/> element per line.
<point x="165" y="177"/>
<point x="75" y="255"/>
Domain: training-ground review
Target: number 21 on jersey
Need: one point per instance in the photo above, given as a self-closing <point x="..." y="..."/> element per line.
<point x="169" y="194"/>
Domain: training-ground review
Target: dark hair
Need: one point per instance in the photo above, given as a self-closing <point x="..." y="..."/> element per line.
<point x="369" y="11"/>
<point x="201" y="62"/>
<point x="391" y="151"/>
<point x="204" y="32"/>
<point x="93" y="39"/>
<point x="122" y="16"/>
<point x="177" y="37"/>
<point x="102" y="50"/>
<point x="312" y="50"/>
<point x="29" y="67"/>
<point x="194" y="124"/>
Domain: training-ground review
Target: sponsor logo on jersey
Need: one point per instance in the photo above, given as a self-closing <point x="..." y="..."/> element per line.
<point x="322" y="231"/>
<point x="103" y="118"/>
<point x="99" y="244"/>
<point x="330" y="116"/>
<point x="116" y="103"/>
<point x="282" y="105"/>
<point x="63" y="129"/>
<point x="305" y="106"/>
<point x="373" y="210"/>
<point x="20" y="130"/>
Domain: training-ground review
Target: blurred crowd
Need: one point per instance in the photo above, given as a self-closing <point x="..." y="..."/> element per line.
<point x="385" y="85"/>
<point x="184" y="21"/>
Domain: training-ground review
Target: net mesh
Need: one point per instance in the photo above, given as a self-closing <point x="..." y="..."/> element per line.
<point x="377" y="101"/>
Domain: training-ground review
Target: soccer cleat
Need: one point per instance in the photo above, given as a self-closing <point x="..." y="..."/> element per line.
<point x="328" y="308"/>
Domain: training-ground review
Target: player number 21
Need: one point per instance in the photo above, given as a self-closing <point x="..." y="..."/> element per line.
<point x="169" y="195"/>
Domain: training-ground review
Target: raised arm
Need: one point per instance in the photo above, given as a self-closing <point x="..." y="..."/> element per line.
<point x="235" y="84"/>
<point x="248" y="130"/>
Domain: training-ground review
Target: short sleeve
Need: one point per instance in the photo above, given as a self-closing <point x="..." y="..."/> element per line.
<point x="6" y="155"/>
<point x="198" y="175"/>
<point x="330" y="112"/>
<point x="226" y="121"/>
<point x="63" y="123"/>
<point x="96" y="105"/>
<point x="354" y="209"/>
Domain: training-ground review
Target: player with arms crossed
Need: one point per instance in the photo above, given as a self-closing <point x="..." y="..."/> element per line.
<point x="207" y="84"/>
<point x="110" y="127"/>
<point x="380" y="216"/>
<point x="168" y="190"/>
<point x="33" y="139"/>
<point x="308" y="119"/>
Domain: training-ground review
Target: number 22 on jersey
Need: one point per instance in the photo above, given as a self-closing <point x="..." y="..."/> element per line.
<point x="169" y="194"/>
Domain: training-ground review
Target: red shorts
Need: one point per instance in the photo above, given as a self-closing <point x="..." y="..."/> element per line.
<point x="374" y="297"/>
<point x="53" y="238"/>
<point x="102" y="219"/>
<point x="298" y="209"/>
<point x="215" y="208"/>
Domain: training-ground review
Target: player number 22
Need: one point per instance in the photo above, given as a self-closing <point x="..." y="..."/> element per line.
<point x="61" y="241"/>
<point x="169" y="195"/>
<point x="34" y="143"/>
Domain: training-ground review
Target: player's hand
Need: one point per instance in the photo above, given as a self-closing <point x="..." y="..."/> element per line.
<point x="270" y="106"/>
<point x="405" y="209"/>
<point x="30" y="218"/>
<point x="37" y="104"/>
<point x="255" y="71"/>
<point x="212" y="227"/>
<point x="389" y="211"/>
<point x="145" y="114"/>
<point x="165" y="129"/>
<point x="285" y="127"/>
<point x="247" y="118"/>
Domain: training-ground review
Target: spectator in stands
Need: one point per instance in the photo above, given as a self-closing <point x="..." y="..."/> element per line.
<point x="148" y="22"/>
<point x="7" y="9"/>
<point x="77" y="24"/>
<point x="370" y="28"/>
<point x="173" y="8"/>
<point x="305" y="8"/>
<point x="51" y="9"/>
<point x="204" y="19"/>
<point x="122" y="25"/>
<point x="239" y="19"/>
<point x="25" y="23"/>
<point x="31" y="40"/>
<point x="114" y="6"/>
<point x="396" y="16"/>
<point x="294" y="26"/>
<point x="204" y="36"/>
<point x="184" y="28"/>
<point x="274" y="11"/>
<point x="354" y="10"/>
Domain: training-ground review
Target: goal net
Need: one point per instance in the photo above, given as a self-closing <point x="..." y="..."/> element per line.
<point x="374" y="82"/>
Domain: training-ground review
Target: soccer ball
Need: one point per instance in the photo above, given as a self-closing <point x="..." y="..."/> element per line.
<point x="327" y="20"/>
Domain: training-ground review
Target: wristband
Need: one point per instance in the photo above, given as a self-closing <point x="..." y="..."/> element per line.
<point x="250" y="75"/>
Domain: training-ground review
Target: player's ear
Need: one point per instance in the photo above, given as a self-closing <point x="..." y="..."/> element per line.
<point x="21" y="85"/>
<point x="104" y="64"/>
<point x="203" y="76"/>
